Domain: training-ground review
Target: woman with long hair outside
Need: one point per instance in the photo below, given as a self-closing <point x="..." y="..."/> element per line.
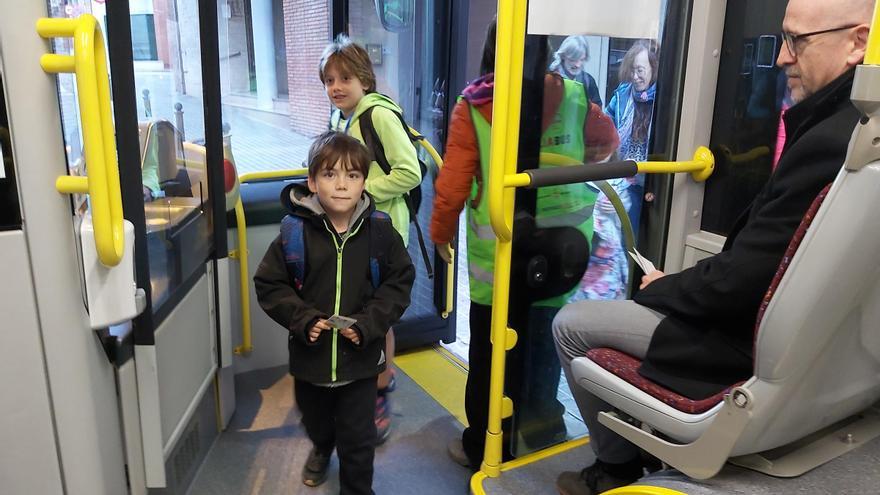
<point x="631" y="108"/>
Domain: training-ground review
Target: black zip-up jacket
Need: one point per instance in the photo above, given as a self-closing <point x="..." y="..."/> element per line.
<point x="705" y="343"/>
<point x="332" y="357"/>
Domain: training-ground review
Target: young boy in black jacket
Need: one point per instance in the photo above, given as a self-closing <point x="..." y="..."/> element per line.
<point x="336" y="256"/>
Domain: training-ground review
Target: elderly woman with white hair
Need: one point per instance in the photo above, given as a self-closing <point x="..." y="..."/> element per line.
<point x="569" y="60"/>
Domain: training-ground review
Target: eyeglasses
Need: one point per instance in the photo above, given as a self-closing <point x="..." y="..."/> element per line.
<point x="791" y="39"/>
<point x="639" y="71"/>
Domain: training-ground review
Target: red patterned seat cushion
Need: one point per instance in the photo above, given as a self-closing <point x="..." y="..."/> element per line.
<point x="793" y="245"/>
<point x="626" y="368"/>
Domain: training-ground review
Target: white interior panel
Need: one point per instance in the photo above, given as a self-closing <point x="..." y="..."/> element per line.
<point x="184" y="359"/>
<point x="28" y="456"/>
<point x="269" y="339"/>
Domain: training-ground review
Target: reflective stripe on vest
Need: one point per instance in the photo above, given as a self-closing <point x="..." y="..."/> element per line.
<point x="565" y="205"/>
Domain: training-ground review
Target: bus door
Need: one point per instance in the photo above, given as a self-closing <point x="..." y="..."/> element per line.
<point x="168" y="138"/>
<point x="409" y="48"/>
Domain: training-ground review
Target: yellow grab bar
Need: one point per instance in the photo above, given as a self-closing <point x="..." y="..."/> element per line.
<point x="450" y="272"/>
<point x="99" y="144"/>
<point x="242" y="253"/>
<point x="244" y="293"/>
<point x="700" y="166"/>
<point x="273" y="174"/>
<point x="872" y="52"/>
<point x="509" y="48"/>
<point x="510" y="45"/>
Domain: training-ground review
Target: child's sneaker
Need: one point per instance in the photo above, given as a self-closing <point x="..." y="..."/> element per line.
<point x="383" y="418"/>
<point x="392" y="383"/>
<point x="315" y="470"/>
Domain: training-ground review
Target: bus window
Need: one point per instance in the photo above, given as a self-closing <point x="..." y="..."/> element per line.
<point x="411" y="66"/>
<point x="747" y="135"/>
<point x="10" y="215"/>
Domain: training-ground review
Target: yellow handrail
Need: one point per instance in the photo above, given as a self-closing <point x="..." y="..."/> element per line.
<point x="242" y="253"/>
<point x="450" y="272"/>
<point x="273" y="174"/>
<point x="701" y="166"/>
<point x="99" y="144"/>
<point x="872" y="52"/>
<point x="510" y="44"/>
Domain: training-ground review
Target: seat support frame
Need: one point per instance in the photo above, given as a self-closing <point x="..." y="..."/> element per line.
<point x="705" y="456"/>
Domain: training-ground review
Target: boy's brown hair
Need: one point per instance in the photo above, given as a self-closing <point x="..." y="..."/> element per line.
<point x="349" y="59"/>
<point x="335" y="147"/>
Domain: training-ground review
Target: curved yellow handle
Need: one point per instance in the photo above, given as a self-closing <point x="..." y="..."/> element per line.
<point x="510" y="44"/>
<point x="99" y="143"/>
<point x="872" y="52"/>
<point x="700" y="167"/>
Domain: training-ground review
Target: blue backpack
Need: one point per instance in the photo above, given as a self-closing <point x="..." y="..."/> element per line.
<point x="294" y="247"/>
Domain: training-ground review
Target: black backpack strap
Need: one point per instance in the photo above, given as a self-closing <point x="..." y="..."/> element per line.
<point x="422" y="246"/>
<point x="374" y="144"/>
<point x="372" y="141"/>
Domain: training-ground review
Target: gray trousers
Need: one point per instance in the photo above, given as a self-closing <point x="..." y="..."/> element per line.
<point x="584" y="325"/>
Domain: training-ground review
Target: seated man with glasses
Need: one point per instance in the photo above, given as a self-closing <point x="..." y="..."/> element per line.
<point x="693" y="330"/>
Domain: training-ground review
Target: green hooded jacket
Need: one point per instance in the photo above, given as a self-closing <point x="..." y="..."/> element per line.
<point x="387" y="190"/>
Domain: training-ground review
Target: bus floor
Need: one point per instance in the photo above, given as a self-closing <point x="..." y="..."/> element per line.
<point x="264" y="447"/>
<point x="856" y="472"/>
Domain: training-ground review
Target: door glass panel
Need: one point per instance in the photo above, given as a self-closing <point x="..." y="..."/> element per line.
<point x="10" y="214"/>
<point x="747" y="134"/>
<point x="264" y="128"/>
<point x="171" y="130"/>
<point x="408" y="45"/>
<point x="592" y="91"/>
<point x="167" y="66"/>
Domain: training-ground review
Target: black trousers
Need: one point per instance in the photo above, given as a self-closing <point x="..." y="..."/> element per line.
<point x="531" y="381"/>
<point x="343" y="417"/>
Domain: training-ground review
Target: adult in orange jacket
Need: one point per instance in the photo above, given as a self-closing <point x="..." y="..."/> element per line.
<point x="453" y="188"/>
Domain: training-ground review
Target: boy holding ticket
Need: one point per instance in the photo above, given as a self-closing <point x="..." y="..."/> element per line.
<point x="337" y="277"/>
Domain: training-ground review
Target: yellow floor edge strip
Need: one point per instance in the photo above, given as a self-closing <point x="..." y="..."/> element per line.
<point x="440" y="374"/>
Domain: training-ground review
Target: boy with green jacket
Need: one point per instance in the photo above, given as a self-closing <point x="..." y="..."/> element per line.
<point x="347" y="74"/>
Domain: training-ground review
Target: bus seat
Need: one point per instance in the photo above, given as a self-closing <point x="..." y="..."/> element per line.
<point x="817" y="351"/>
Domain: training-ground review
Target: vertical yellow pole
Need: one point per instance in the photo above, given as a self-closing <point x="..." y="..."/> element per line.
<point x="872" y="54"/>
<point x="510" y="42"/>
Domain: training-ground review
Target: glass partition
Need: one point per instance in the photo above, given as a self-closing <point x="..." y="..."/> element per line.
<point x="409" y="51"/>
<point x="272" y="99"/>
<point x="171" y="130"/>
<point x="592" y="92"/>
<point x="10" y="213"/>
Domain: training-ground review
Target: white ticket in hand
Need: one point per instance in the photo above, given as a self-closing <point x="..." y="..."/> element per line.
<point x="340" y="322"/>
<point x="646" y="266"/>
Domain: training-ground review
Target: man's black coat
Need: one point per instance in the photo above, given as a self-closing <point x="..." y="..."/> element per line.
<point x="705" y="343"/>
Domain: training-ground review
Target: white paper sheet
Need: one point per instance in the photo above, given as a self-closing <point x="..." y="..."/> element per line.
<point x="340" y="322"/>
<point x="644" y="263"/>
